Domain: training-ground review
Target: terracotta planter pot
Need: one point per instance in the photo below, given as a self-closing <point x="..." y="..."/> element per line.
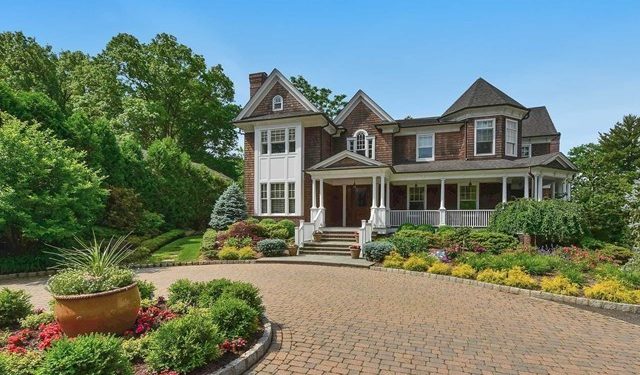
<point x="293" y="250"/>
<point x="114" y="311"/>
<point x="355" y="253"/>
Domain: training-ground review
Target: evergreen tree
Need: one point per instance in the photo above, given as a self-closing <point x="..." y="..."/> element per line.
<point x="230" y="207"/>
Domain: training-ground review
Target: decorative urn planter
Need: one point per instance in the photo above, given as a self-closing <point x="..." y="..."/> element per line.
<point x="112" y="311"/>
<point x="355" y="251"/>
<point x="317" y="236"/>
<point x="293" y="250"/>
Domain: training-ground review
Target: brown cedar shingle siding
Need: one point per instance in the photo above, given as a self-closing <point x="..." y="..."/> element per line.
<point x="363" y="118"/>
<point x="291" y="104"/>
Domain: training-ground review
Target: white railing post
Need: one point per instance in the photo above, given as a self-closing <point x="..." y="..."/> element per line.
<point x="313" y="193"/>
<point x="443" y="210"/>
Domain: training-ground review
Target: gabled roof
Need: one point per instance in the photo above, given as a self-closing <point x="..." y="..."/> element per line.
<point x="361" y="160"/>
<point x="272" y="79"/>
<point x="538" y="123"/>
<point x="481" y="94"/>
<point x="359" y="97"/>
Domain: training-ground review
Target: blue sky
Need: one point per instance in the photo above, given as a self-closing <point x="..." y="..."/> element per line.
<point x="579" y="58"/>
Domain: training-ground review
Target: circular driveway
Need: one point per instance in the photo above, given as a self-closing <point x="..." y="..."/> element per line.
<point x="345" y="320"/>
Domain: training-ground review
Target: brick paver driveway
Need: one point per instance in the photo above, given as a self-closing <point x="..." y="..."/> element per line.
<point x="342" y="320"/>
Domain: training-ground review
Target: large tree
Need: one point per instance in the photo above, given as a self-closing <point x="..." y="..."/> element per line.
<point x="320" y="97"/>
<point x="47" y="193"/>
<point x="171" y="92"/>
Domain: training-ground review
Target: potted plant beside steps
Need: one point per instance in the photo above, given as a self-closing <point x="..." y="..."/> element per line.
<point x="317" y="235"/>
<point x="355" y="250"/>
<point x="93" y="292"/>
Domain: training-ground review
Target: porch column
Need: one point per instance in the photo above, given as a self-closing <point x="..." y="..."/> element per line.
<point x="564" y="189"/>
<point x="322" y="193"/>
<point x="383" y="187"/>
<point x="526" y="186"/>
<point x="313" y="192"/>
<point x="374" y="193"/>
<point x="504" y="189"/>
<point x="388" y="194"/>
<point x="553" y="190"/>
<point x="568" y="190"/>
<point x="443" y="210"/>
<point x="344" y="205"/>
<point x="540" y="184"/>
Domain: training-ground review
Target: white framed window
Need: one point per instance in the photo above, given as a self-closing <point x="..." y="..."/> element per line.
<point x="264" y="142"/>
<point x="276" y="103"/>
<point x="362" y="144"/>
<point x="278" y="144"/>
<point x="425" y="147"/>
<point x="526" y="151"/>
<point x="485" y="137"/>
<point x="415" y="199"/>
<point x="277" y="198"/>
<point x="291" y="195"/>
<point x="468" y="197"/>
<point x="292" y="140"/>
<point x="511" y="138"/>
<point x="278" y="141"/>
<point x="264" y="199"/>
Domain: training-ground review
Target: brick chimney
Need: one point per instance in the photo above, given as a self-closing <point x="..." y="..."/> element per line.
<point x="255" y="82"/>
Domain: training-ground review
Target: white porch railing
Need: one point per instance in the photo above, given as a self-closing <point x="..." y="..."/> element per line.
<point x="306" y="229"/>
<point x="468" y="218"/>
<point x="454" y="218"/>
<point x="417" y="217"/>
<point x="364" y="234"/>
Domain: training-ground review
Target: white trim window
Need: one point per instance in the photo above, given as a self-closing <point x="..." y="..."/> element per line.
<point x="264" y="142"/>
<point x="526" y="151"/>
<point x="485" y="137"/>
<point x="278" y="144"/>
<point x="511" y="138"/>
<point x="415" y="198"/>
<point x="291" y="195"/>
<point x="292" y="140"/>
<point x="468" y="197"/>
<point x="276" y="103"/>
<point x="277" y="198"/>
<point x="362" y="144"/>
<point x="425" y="147"/>
<point x="277" y="141"/>
<point x="264" y="199"/>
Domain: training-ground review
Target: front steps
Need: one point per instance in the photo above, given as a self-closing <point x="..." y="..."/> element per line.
<point x="331" y="243"/>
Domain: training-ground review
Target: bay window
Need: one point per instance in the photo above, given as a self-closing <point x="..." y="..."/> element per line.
<point x="511" y="138"/>
<point x="485" y="137"/>
<point x="424" y="147"/>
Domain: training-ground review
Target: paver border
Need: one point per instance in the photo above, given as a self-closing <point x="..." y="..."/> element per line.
<point x="251" y="356"/>
<point x="573" y="300"/>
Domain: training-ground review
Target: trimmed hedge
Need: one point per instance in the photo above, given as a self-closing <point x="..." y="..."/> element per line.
<point x="156" y="243"/>
<point x="414" y="241"/>
<point x="272" y="247"/>
<point x="493" y="242"/>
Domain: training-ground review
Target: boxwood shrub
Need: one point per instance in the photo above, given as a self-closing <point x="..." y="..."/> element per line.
<point x="209" y="247"/>
<point x="234" y="317"/>
<point x="414" y="241"/>
<point x="184" y="344"/>
<point x="156" y="243"/>
<point x="14" y="305"/>
<point x="377" y="250"/>
<point x="95" y="354"/>
<point x="493" y="242"/>
<point x="272" y="247"/>
<point x="19" y="363"/>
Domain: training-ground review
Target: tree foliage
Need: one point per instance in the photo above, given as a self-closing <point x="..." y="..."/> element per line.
<point x="47" y="193"/>
<point x="320" y="97"/>
<point x="229" y="208"/>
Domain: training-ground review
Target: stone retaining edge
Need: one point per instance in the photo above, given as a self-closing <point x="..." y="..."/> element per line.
<point x="607" y="305"/>
<point x="251" y="356"/>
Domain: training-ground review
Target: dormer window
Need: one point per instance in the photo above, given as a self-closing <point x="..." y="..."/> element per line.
<point x="362" y="144"/>
<point x="276" y="103"/>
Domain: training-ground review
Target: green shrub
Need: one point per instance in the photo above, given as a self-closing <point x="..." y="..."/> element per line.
<point x="150" y="223"/>
<point x="156" y="243"/>
<point x="246" y="253"/>
<point x="553" y="219"/>
<point x="94" y="354"/>
<point x="234" y="317"/>
<point x="393" y="260"/>
<point x="610" y="271"/>
<point x="289" y="225"/>
<point x="25" y="263"/>
<point x="136" y="348"/>
<point x="590" y="243"/>
<point x="559" y="285"/>
<point x="238" y="241"/>
<point x="74" y="281"/>
<point x="532" y="263"/>
<point x="406" y="226"/>
<point x="416" y="263"/>
<point x="377" y="250"/>
<point x="272" y="247"/>
<point x="14" y="305"/>
<point x="246" y="292"/>
<point x="516" y="277"/>
<point x="493" y="242"/>
<point x="464" y="271"/>
<point x="620" y="255"/>
<point x="184" y="291"/>
<point x="633" y="265"/>
<point x="440" y="268"/>
<point x="146" y="288"/>
<point x="573" y="273"/>
<point x="414" y="241"/>
<point x="138" y="255"/>
<point x="229" y="208"/>
<point x="209" y="247"/>
<point x="184" y="344"/>
<point x="228" y="252"/>
<point x="19" y="364"/>
<point x="33" y="321"/>
<point x="211" y="291"/>
<point x="492" y="276"/>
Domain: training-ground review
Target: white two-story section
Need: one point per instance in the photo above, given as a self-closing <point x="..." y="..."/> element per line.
<point x="278" y="188"/>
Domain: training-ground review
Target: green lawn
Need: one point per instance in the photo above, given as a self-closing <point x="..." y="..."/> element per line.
<point x="183" y="250"/>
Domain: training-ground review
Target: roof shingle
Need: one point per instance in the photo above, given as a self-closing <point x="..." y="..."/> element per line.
<point x="481" y="94"/>
<point x="538" y="123"/>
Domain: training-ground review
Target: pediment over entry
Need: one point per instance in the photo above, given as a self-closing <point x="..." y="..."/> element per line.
<point x="346" y="159"/>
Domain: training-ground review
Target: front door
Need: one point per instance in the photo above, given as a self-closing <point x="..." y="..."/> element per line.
<point x="358" y="204"/>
